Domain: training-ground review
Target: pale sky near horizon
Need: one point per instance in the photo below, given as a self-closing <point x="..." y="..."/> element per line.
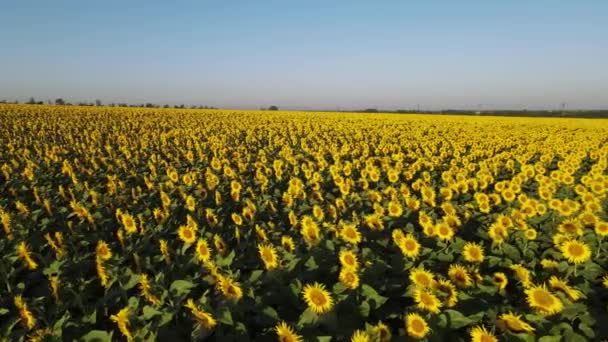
<point x="309" y="54"/>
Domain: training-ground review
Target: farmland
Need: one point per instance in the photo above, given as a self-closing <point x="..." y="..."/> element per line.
<point x="155" y="224"/>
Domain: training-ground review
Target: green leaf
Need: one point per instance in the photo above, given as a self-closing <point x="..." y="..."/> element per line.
<point x="511" y="252"/>
<point x="97" y="336"/>
<point x="311" y="264"/>
<point x="454" y="319"/>
<point x="587" y="330"/>
<point x="364" y="309"/>
<point x="255" y="275"/>
<point x="323" y="338"/>
<point x="227" y="261"/>
<point x="4" y="311"/>
<point x="181" y="287"/>
<point x="550" y="339"/>
<point x="591" y="271"/>
<point x="571" y="336"/>
<point x="307" y="317"/>
<point x="150" y="312"/>
<point x="225" y="317"/>
<point x="372" y="295"/>
<point x="270" y="312"/>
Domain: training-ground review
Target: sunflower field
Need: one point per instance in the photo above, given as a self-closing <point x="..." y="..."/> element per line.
<point x="132" y="224"/>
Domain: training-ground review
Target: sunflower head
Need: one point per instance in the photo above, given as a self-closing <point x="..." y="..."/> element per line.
<point x="543" y="301"/>
<point x="318" y="299"/>
<point x="416" y="326"/>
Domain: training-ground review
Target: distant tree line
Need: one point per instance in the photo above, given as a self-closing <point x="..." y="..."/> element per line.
<point x="99" y="103"/>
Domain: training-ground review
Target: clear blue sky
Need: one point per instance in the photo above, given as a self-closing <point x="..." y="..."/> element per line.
<point x="308" y="54"/>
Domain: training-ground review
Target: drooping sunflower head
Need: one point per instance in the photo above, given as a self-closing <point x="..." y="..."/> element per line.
<point x="480" y="334"/>
<point x="382" y="332"/>
<point x="514" y="323"/>
<point x="286" y="334"/>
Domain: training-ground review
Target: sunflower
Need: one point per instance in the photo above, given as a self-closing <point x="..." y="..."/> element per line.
<point x="549" y="264"/>
<point x="444" y="231"/>
<point x="575" y="251"/>
<point x="421" y="277"/>
<point x="203" y="317"/>
<point x="514" y="323"/>
<point x="374" y="222"/>
<point x="500" y="279"/>
<point x="349" y="278"/>
<point x="382" y="332"/>
<point x="416" y="326"/>
<point x="286" y="334"/>
<point x="497" y="233"/>
<point x="559" y="284"/>
<point x="480" y="334"/>
<point x="530" y="234"/>
<point x="27" y="317"/>
<point x="318" y="299"/>
<point x="129" y="223"/>
<point x="122" y="321"/>
<point x="186" y="234"/>
<point x="219" y="244"/>
<point x="230" y="288"/>
<point x="269" y="257"/>
<point x="473" y="252"/>
<point x="287" y="243"/>
<point x="543" y="301"/>
<point x="237" y="219"/>
<point x="394" y="209"/>
<point x="522" y="274"/>
<point x="23" y="251"/>
<point x="203" y="253"/>
<point x="350" y="234"/>
<point x="460" y="276"/>
<point x="426" y="300"/>
<point x="310" y="232"/>
<point x="446" y="287"/>
<point x="409" y="246"/>
<point x="103" y="251"/>
<point x="601" y="229"/>
<point x="605" y="281"/>
<point x="190" y="203"/>
<point x="349" y="260"/>
<point x="570" y="227"/>
<point x="360" y="336"/>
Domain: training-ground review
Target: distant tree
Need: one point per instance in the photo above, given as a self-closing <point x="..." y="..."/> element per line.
<point x="166" y="106"/>
<point x="273" y="108"/>
<point x="98" y="103"/>
<point x="149" y="105"/>
<point x="59" y="102"/>
<point x="371" y="110"/>
<point x="32" y="100"/>
<point x="40" y="102"/>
